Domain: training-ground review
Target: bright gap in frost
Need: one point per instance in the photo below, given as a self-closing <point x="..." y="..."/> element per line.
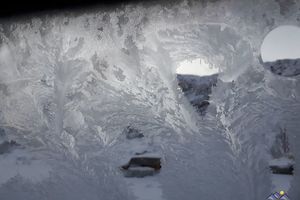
<point x="196" y="67"/>
<point x="281" y="43"/>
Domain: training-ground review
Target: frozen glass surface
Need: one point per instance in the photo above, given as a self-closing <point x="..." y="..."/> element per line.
<point x="71" y="83"/>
